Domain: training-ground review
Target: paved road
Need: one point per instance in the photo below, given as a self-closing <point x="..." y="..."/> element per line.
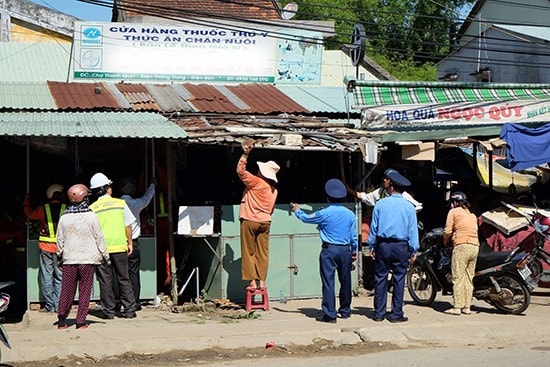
<point x="36" y="338"/>
<point x="519" y="355"/>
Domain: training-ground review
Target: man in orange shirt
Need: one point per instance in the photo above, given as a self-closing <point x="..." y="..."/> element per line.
<point x="48" y="216"/>
<point x="257" y="205"/>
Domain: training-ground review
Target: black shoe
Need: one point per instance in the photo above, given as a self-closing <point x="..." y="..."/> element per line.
<point x="138" y="307"/>
<point x="101" y="315"/>
<point x="344" y="316"/>
<point x="325" y="318"/>
<point x="129" y="315"/>
<point x="378" y="319"/>
<point x="399" y="319"/>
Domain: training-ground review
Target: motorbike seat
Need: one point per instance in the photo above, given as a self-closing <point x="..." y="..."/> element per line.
<point x="489" y="259"/>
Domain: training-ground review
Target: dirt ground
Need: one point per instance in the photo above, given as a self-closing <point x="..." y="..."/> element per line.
<point x="216" y="355"/>
<point x="222" y="312"/>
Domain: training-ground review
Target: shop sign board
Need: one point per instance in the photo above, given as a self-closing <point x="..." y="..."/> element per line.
<point x="392" y="104"/>
<point x="195" y="53"/>
<point x="457" y="113"/>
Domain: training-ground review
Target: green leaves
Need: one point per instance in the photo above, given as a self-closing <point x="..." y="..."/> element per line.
<point x="401" y="34"/>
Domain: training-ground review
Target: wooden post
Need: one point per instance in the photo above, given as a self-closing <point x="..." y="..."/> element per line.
<point x="474" y="158"/>
<point x="170" y="170"/>
<point x="490" y="169"/>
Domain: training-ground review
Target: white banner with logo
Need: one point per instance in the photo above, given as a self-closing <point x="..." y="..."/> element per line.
<point x="152" y="52"/>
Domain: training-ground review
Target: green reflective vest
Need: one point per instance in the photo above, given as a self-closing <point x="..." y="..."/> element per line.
<point x="110" y="212"/>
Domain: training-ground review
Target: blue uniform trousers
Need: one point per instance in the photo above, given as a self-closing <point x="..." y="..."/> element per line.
<point x="390" y="255"/>
<point x="332" y="259"/>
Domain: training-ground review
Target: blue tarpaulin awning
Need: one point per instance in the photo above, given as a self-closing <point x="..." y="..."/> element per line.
<point x="527" y="147"/>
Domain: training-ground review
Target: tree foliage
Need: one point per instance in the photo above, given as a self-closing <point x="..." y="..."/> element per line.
<point x="402" y="34"/>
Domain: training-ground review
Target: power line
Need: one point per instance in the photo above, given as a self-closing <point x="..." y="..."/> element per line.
<point x="292" y="26"/>
<point x="178" y="17"/>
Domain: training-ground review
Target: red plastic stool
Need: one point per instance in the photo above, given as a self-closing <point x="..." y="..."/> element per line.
<point x="251" y="303"/>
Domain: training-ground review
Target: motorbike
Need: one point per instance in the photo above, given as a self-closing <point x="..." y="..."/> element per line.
<point x="4" y="303"/>
<point x="534" y="242"/>
<point x="501" y="279"/>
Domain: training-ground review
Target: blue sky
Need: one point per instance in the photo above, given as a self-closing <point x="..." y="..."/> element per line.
<point x="91" y="12"/>
<point x="78" y="9"/>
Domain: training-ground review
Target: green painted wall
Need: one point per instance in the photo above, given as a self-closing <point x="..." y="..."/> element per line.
<point x="293" y="257"/>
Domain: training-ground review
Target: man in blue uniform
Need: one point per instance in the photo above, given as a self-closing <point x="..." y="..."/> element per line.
<point x="393" y="240"/>
<point x="338" y="231"/>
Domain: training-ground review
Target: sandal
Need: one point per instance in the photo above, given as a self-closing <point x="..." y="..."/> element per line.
<point x="466" y="311"/>
<point x="452" y="311"/>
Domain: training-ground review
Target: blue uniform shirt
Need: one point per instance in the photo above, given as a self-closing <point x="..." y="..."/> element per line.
<point x="393" y="217"/>
<point x="336" y="224"/>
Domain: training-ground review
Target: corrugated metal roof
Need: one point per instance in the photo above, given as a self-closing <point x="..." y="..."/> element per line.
<point x="167" y="97"/>
<point x="201" y="98"/>
<point x="34" y="62"/>
<point x="82" y="95"/>
<point x="242" y="98"/>
<point x="89" y="124"/>
<point x="206" y="98"/>
<point x="319" y="99"/>
<point x="137" y="96"/>
<point x="26" y="95"/>
<point x="265" y="98"/>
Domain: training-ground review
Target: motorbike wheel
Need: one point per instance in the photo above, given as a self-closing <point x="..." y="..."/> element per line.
<point x="536" y="269"/>
<point x="514" y="295"/>
<point x="420" y="285"/>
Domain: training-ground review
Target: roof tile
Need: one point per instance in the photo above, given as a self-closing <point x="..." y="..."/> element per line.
<point x="244" y="9"/>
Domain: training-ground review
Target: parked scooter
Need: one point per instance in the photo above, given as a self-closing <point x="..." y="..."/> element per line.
<point x="501" y="280"/>
<point x="4" y="303"/>
<point x="534" y="243"/>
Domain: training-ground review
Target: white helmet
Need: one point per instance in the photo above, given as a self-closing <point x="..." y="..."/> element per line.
<point x="52" y="189"/>
<point x="99" y="180"/>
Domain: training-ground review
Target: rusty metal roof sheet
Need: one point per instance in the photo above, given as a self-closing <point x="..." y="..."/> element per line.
<point x="266" y="98"/>
<point x="206" y="98"/>
<point x="263" y="99"/>
<point x="80" y="96"/>
<point x="138" y="97"/>
<point x="243" y="98"/>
